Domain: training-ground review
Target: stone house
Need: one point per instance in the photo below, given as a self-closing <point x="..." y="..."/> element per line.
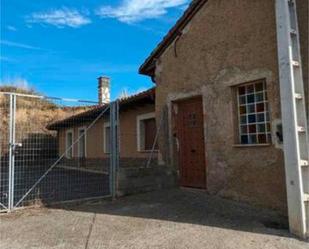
<point x="90" y="147"/>
<point x="218" y="94"/>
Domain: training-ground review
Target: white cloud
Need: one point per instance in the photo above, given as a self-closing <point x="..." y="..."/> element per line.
<point x="132" y="11"/>
<point x="18" y="45"/>
<point x="125" y="92"/>
<point x="11" y="28"/>
<point x="16" y="82"/>
<point x="60" y="18"/>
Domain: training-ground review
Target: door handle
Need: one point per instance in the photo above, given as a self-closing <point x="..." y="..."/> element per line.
<point x="193" y="151"/>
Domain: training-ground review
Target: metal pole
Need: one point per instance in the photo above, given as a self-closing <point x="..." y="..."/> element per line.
<point x="114" y="147"/>
<point x="117" y="145"/>
<point x="112" y="151"/>
<point x="155" y="141"/>
<point x="11" y="151"/>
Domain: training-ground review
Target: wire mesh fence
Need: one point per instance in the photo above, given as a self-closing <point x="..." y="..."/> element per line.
<point x="54" y="150"/>
<point x="4" y="150"/>
<point x="44" y="157"/>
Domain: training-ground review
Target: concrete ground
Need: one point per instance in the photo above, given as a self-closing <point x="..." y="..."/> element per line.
<point x="174" y="219"/>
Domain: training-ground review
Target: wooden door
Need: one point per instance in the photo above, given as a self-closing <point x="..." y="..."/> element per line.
<point x="191" y="148"/>
<point x="150" y="133"/>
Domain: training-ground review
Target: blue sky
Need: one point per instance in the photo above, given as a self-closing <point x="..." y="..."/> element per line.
<point x="60" y="47"/>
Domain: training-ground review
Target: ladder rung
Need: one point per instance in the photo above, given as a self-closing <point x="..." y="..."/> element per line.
<point x="304" y="163"/>
<point x="301" y="129"/>
<point x="306" y="197"/>
<point x="298" y="96"/>
<point x="293" y="31"/>
<point x="295" y="63"/>
<point x="291" y="1"/>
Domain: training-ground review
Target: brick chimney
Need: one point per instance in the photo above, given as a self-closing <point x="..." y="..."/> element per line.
<point x="104" y="90"/>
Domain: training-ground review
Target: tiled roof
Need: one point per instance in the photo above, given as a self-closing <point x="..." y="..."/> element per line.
<point x="133" y="100"/>
<point x="148" y="66"/>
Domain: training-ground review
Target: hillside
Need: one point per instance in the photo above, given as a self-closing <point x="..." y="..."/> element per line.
<point x="32" y="114"/>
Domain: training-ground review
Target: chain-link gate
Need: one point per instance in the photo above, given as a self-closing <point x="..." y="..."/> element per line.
<point x="43" y="156"/>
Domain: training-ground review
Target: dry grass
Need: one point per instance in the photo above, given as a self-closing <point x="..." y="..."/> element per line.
<point x="32" y="115"/>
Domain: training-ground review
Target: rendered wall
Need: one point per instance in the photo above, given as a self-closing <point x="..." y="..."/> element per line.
<point x="95" y="136"/>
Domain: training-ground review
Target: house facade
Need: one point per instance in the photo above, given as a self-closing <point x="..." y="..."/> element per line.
<point x="84" y="139"/>
<point x="218" y="93"/>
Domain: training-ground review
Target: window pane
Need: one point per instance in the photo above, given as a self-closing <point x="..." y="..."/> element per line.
<point x="243" y="119"/>
<point x="259" y="87"/>
<point x="242" y="90"/>
<point x="252" y="128"/>
<point x="259" y="97"/>
<point x="262" y="138"/>
<point x="244" y="139"/>
<point x="261" y="117"/>
<point x="252" y="139"/>
<point x="261" y="128"/>
<point x="254" y="118"/>
<point x="260" y="107"/>
<point x="244" y="129"/>
<point x="242" y="100"/>
<point x="250" y="88"/>
<point x="251" y="108"/>
<point x="242" y="110"/>
<point x="250" y="98"/>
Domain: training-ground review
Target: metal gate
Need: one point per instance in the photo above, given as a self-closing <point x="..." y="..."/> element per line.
<point x="43" y="157"/>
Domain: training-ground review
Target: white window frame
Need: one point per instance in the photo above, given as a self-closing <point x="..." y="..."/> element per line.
<point x="140" y="118"/>
<point x="66" y="143"/>
<point x="105" y="125"/>
<point x="85" y="132"/>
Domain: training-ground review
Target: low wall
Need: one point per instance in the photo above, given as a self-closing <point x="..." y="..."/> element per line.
<point x="140" y="180"/>
<point x="102" y="164"/>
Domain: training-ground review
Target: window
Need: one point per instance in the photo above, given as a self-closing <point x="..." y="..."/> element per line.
<point x="146" y="132"/>
<point x="82" y="142"/>
<point x="106" y="139"/>
<point x="253" y="114"/>
<point x="69" y="144"/>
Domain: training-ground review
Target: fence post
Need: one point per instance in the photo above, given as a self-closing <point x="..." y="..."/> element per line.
<point x="11" y="151"/>
<point x="114" y="155"/>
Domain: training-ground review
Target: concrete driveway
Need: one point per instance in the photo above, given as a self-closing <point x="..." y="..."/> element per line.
<point x="176" y="219"/>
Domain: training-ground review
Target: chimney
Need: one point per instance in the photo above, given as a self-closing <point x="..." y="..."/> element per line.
<point x="104" y="90"/>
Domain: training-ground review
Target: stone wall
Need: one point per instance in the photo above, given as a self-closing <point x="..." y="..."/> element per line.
<point x="140" y="180"/>
<point x="227" y="43"/>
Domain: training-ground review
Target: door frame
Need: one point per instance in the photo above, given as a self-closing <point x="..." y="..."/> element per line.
<point x="174" y="98"/>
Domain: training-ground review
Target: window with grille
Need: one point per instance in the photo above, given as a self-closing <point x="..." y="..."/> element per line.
<point x="82" y="142"/>
<point x="106" y="138"/>
<point x="146" y="132"/>
<point x="69" y="144"/>
<point x="253" y="114"/>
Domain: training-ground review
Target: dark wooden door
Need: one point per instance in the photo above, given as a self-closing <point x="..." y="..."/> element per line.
<point x="191" y="148"/>
<point x="150" y="133"/>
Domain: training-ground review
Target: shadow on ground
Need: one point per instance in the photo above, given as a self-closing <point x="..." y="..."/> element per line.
<point x="193" y="207"/>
